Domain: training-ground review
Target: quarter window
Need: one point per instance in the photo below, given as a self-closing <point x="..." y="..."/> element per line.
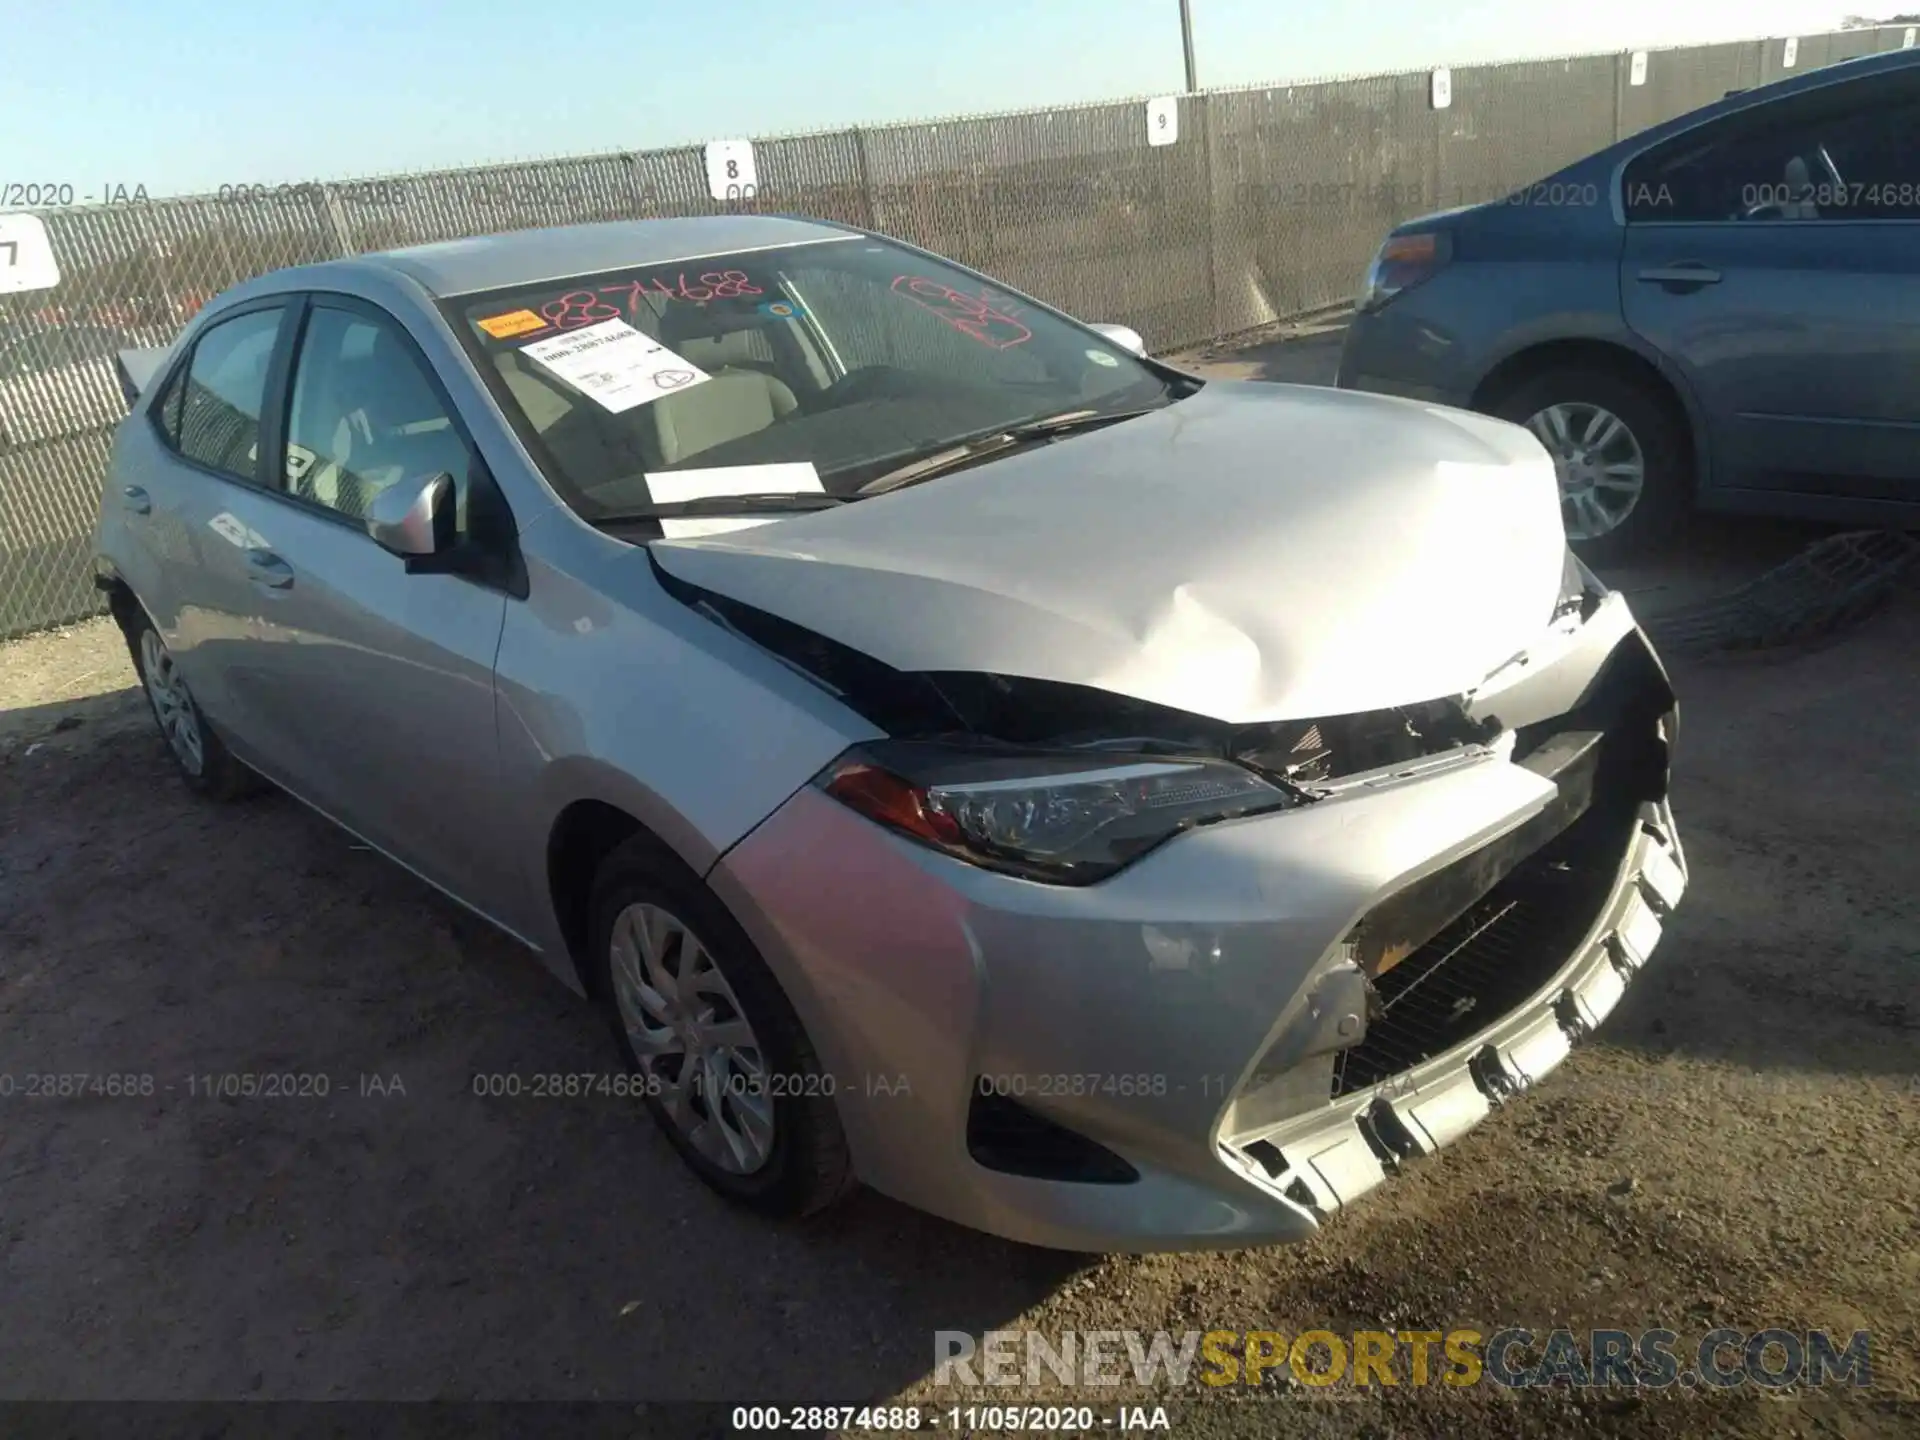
<point x="225" y="392"/>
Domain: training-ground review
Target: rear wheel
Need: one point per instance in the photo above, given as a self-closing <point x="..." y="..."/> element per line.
<point x="201" y="756"/>
<point x="729" y="1074"/>
<point x="1619" y="451"/>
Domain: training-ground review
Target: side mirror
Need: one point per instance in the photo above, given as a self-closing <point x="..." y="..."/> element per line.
<point x="414" y="519"/>
<point x="1125" y="336"/>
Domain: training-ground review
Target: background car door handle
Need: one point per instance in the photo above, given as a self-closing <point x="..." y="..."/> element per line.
<point x="136" y="499"/>
<point x="268" y="569"/>
<point x="1681" y="274"/>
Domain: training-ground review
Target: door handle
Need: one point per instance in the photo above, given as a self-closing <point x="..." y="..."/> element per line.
<point x="268" y="569"/>
<point x="1685" y="273"/>
<point x="136" y="499"/>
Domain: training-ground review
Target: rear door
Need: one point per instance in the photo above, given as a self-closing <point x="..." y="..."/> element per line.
<point x="182" y="488"/>
<point x="375" y="687"/>
<point x="1774" y="256"/>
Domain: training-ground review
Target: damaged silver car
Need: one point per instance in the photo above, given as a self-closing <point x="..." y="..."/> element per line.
<point x="1110" y="809"/>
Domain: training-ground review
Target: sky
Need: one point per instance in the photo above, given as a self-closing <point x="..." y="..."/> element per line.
<point x="185" y="98"/>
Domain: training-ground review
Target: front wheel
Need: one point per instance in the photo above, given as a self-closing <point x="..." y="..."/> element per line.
<point x="729" y="1074"/>
<point x="1619" y="452"/>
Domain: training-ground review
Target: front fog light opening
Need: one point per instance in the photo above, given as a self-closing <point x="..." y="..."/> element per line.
<point x="1004" y="1135"/>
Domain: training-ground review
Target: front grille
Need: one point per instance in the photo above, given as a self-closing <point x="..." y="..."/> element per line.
<point x="1496" y="955"/>
<point x="1434" y="988"/>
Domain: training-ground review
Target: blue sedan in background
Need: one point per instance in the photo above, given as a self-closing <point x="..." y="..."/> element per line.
<point x="1721" y="311"/>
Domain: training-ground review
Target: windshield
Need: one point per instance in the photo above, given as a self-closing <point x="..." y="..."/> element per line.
<point x="815" y="367"/>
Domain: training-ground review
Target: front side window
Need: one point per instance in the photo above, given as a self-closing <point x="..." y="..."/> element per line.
<point x="1842" y="152"/>
<point x="851" y="356"/>
<point x="364" y="416"/>
<point x="225" y="393"/>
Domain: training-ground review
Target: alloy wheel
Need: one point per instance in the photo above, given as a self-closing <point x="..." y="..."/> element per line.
<point x="692" y="1038"/>
<point x="172" y="704"/>
<point x="1600" y="465"/>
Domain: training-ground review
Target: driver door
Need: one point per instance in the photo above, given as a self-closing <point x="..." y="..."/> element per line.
<point x="375" y="685"/>
<point x="1774" y="257"/>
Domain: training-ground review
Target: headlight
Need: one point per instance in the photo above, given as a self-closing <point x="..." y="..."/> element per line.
<point x="1063" y="817"/>
<point x="1402" y="263"/>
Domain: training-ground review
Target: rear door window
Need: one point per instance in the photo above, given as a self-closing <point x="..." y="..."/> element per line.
<point x="1837" y="153"/>
<point x="225" y="394"/>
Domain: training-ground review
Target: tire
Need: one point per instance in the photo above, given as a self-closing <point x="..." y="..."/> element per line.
<point x="1652" y="429"/>
<point x="199" y="755"/>
<point x="806" y="1166"/>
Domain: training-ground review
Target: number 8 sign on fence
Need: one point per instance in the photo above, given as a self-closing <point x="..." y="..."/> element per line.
<point x="730" y="172"/>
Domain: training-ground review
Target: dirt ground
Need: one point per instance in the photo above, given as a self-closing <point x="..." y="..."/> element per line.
<point x="1739" y="1145"/>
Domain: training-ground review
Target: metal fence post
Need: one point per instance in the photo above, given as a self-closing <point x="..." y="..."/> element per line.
<point x="866" y="178"/>
<point x="1204" y="112"/>
<point x="337" y="221"/>
<point x="1619" y="95"/>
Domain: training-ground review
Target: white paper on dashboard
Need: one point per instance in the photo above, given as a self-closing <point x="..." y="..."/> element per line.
<point x="614" y="365"/>
<point x="798" y="477"/>
<point x="670" y="486"/>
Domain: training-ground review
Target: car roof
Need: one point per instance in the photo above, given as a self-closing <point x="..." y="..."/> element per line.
<point x="524" y="257"/>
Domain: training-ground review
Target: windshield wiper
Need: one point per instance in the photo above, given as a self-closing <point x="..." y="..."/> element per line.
<point x="1077" y="420"/>
<point x="978" y="448"/>
<point x="779" y="501"/>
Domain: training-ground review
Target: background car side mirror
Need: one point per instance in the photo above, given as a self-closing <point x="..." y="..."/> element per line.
<point x="1125" y="336"/>
<point x="415" y="520"/>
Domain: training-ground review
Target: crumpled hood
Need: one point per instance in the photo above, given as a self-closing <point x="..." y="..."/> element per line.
<point x="1255" y="552"/>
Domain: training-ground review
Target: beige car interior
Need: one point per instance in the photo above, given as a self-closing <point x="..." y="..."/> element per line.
<point x="360" y="425"/>
<point x="742" y="398"/>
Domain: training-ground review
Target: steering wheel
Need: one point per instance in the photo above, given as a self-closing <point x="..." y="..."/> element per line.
<point x="866" y="382"/>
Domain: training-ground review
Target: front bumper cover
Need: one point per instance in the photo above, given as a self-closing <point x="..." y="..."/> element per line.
<point x="1171" y="1014"/>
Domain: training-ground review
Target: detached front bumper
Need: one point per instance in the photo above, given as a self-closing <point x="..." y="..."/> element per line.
<point x="1185" y="1056"/>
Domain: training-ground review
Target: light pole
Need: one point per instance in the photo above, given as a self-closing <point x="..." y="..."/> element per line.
<point x="1186" y="43"/>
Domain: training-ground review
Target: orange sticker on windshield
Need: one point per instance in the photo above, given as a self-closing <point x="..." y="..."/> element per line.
<point x="514" y="322"/>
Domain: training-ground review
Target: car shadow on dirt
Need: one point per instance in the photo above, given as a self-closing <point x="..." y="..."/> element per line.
<point x="303" y="1167"/>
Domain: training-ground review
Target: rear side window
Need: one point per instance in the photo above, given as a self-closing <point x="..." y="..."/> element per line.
<point x="217" y="422"/>
<point x="1840" y="153"/>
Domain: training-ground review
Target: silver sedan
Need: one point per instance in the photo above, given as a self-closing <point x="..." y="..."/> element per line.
<point x="1109" y="809"/>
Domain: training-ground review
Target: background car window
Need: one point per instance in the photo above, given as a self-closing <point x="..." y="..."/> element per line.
<point x="1847" y="152"/>
<point x="74" y="345"/>
<point x="364" y="416"/>
<point x="226" y="389"/>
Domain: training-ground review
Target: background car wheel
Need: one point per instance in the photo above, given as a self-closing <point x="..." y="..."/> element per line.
<point x="694" y="1008"/>
<point x="203" y="759"/>
<point x="1622" y="456"/>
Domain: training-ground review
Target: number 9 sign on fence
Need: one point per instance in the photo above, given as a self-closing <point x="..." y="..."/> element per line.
<point x="26" y="255"/>
<point x="730" y="172"/>
<point x="1163" y="120"/>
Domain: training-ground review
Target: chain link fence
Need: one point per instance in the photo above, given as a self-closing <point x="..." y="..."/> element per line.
<point x="1268" y="206"/>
